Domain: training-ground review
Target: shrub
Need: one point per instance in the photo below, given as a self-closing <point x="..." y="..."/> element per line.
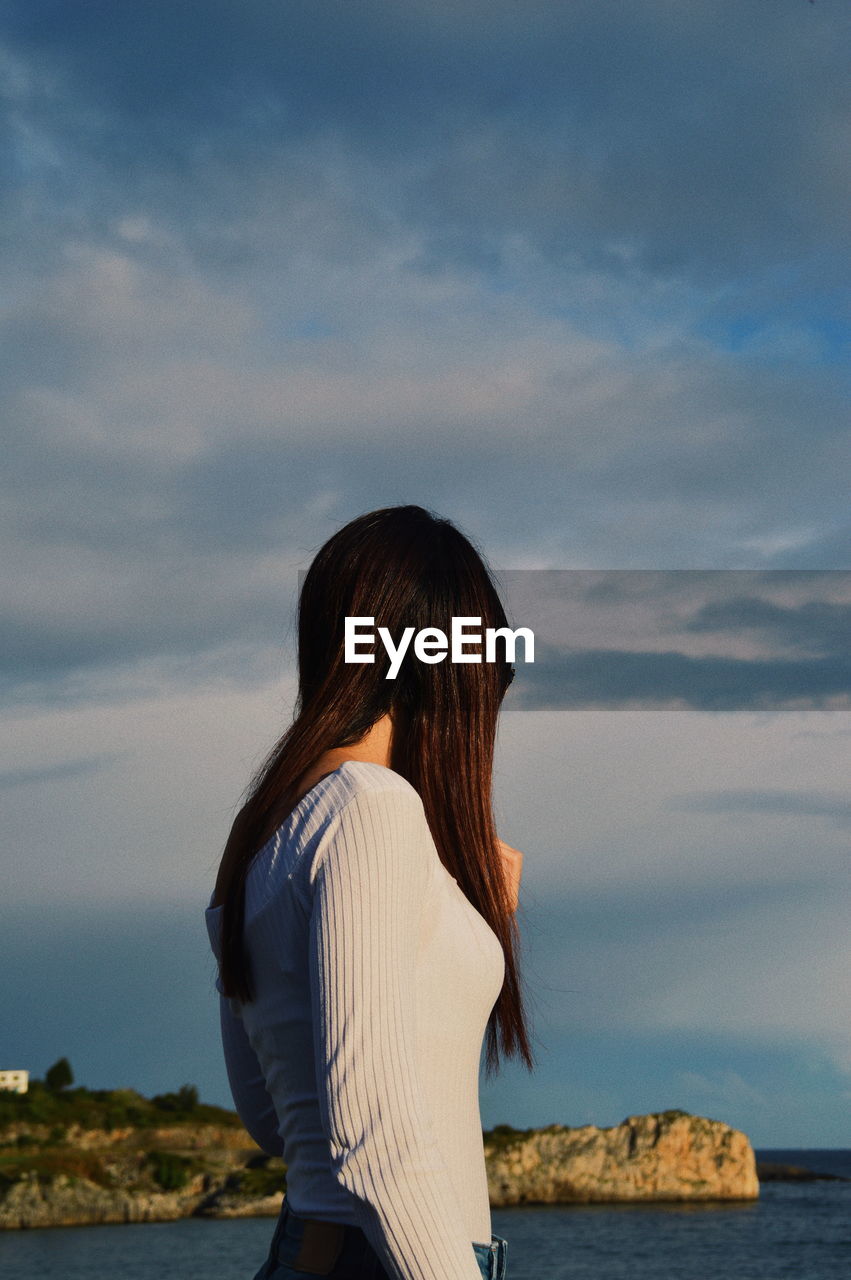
<point x="266" y="1176"/>
<point x="184" y="1101"/>
<point x="60" y="1076"/>
<point x="170" y="1171"/>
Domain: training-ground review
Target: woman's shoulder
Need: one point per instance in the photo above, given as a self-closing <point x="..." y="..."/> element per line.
<point x="358" y="795"/>
<point x="365" y="775"/>
<point x="351" y="780"/>
<point x="353" y="817"/>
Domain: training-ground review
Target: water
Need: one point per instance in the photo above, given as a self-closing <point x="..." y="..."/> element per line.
<point x="796" y="1231"/>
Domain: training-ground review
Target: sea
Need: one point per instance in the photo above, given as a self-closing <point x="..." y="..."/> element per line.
<point x="795" y="1231"/>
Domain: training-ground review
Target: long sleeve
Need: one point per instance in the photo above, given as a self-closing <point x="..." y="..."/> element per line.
<point x="247" y="1085"/>
<point x="370" y="888"/>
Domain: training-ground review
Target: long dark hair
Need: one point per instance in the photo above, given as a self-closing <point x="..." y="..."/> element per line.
<point x="402" y="566"/>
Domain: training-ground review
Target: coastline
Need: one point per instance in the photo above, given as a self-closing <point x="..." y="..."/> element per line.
<point x="160" y="1165"/>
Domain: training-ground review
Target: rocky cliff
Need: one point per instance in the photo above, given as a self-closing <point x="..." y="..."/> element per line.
<point x="669" y="1156"/>
<point x="129" y="1174"/>
<point x="158" y="1174"/>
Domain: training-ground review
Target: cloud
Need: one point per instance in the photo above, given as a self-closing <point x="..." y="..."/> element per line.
<point x="813" y="626"/>
<point x="746" y="962"/>
<point x="728" y="1088"/>
<point x="41" y="774"/>
<point x="283" y="265"/>
<point x="628" y="680"/>
<point x="160" y="418"/>
<point x="785" y="804"/>
<point x="711" y="640"/>
<point x="647" y="135"/>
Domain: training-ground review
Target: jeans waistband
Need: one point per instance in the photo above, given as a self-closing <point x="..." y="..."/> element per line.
<point x="492" y="1258"/>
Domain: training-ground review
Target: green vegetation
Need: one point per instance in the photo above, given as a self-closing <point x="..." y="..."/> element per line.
<point x="57" y="1136"/>
<point x="107" y="1109"/>
<point x="503" y="1136"/>
<point x="59" y="1076"/>
<point x="184" y="1102"/>
<point x="171" y="1171"/>
<point x="265" y="1176"/>
<point x="168" y="1170"/>
<point x="49" y="1164"/>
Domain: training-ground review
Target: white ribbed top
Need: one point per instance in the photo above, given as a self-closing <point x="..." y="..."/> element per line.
<point x="358" y="1059"/>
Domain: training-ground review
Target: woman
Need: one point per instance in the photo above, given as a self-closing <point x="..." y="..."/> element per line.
<point x="363" y="922"/>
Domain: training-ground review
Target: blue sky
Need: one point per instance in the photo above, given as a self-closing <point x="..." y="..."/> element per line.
<point x="575" y="276"/>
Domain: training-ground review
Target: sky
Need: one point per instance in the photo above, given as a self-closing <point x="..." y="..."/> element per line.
<point x="575" y="277"/>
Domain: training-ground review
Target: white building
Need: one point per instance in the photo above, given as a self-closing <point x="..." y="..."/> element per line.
<point x="15" y="1081"/>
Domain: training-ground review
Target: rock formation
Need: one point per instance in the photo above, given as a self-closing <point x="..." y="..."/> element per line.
<point x="157" y="1174"/>
<point x="669" y="1156"/>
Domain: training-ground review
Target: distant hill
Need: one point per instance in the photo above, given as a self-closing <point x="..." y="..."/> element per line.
<point x="107" y="1108"/>
<point x="78" y="1156"/>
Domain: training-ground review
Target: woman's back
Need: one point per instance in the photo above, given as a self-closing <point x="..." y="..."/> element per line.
<point x="374" y="978"/>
